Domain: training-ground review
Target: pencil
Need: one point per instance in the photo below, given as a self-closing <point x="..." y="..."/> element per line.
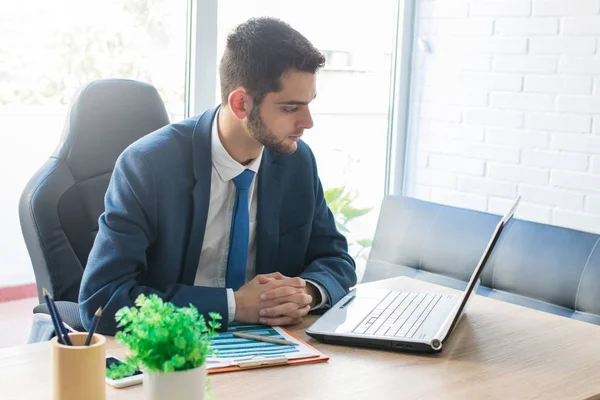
<point x="260" y="338"/>
<point x="52" y="316"/>
<point x="59" y="322"/>
<point x="95" y="321"/>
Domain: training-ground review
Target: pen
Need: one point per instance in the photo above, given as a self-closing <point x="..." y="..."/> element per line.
<point x="262" y="361"/>
<point x="95" y="321"/>
<point x="59" y="322"/>
<point x="57" y="330"/>
<point x="260" y="338"/>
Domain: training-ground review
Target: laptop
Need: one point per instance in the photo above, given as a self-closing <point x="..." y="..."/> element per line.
<point x="399" y="320"/>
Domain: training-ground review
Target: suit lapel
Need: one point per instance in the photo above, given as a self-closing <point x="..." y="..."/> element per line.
<point x="269" y="203"/>
<point x="202" y="164"/>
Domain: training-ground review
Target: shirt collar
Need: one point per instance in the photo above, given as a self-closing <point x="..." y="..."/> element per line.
<point x="226" y="166"/>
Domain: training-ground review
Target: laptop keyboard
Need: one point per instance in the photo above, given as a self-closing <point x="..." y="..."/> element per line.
<point x="399" y="314"/>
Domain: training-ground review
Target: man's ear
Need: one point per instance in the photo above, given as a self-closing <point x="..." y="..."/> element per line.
<point x="239" y="102"/>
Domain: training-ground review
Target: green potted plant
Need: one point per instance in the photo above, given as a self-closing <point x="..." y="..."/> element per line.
<point x="340" y="200"/>
<point x="170" y="344"/>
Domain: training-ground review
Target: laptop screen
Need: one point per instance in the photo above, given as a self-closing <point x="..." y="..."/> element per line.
<point x="450" y="323"/>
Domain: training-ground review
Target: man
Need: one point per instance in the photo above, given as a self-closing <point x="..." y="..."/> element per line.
<point x="225" y="211"/>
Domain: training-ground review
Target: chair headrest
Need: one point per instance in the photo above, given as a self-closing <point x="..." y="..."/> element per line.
<point x="105" y="117"/>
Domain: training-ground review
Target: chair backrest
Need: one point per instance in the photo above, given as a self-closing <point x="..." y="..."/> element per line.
<point x="61" y="204"/>
<point x="540" y="266"/>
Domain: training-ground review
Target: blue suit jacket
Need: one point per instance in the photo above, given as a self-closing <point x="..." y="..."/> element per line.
<point x="150" y="235"/>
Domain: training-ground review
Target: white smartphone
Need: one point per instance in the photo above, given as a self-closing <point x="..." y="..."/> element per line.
<point x="131" y="380"/>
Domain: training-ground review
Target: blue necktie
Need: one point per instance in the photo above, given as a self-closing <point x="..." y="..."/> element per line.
<point x="240" y="232"/>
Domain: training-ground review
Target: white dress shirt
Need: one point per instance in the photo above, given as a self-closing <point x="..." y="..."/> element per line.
<point x="212" y="266"/>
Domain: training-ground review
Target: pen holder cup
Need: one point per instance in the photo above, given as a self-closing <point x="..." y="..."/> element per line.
<point x="78" y="371"/>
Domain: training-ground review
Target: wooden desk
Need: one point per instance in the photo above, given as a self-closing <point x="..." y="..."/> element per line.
<point x="499" y="351"/>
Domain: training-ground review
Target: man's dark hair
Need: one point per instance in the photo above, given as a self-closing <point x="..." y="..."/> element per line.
<point x="259" y="51"/>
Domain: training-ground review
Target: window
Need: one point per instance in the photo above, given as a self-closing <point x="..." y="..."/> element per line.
<point x="336" y="59"/>
<point x="50" y="48"/>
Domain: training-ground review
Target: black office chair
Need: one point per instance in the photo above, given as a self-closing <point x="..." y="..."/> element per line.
<point x="60" y="206"/>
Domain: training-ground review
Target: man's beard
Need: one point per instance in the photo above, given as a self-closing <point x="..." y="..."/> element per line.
<point x="264" y="136"/>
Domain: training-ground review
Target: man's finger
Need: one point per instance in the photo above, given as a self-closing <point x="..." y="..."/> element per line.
<point x="301" y="312"/>
<point x="276" y="311"/>
<point x="300" y="298"/>
<point x="276" y="283"/>
<point x="294" y="282"/>
<point x="283" y="291"/>
<point x="272" y="275"/>
<point x="264" y="279"/>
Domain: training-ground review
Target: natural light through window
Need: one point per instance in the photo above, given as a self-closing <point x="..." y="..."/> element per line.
<point x="48" y="49"/>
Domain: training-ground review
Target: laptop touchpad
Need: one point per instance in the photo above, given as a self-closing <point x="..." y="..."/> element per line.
<point x="346" y="315"/>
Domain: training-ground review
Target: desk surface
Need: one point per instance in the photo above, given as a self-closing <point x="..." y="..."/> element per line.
<point x="498" y="351"/>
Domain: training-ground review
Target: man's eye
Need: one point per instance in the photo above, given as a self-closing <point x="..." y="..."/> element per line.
<point x="290" y="109"/>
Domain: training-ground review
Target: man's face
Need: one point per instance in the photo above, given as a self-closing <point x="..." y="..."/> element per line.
<point x="280" y="120"/>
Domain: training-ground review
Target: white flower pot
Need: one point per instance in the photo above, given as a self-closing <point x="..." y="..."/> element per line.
<point x="180" y="385"/>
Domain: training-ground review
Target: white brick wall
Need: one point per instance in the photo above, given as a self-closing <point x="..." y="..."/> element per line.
<point x="579" y="65"/>
<point x="595" y="164"/>
<point x="592" y="204"/>
<point x="443" y="9"/>
<point x="487" y="187"/>
<point x="579" y="104"/>
<point x="572" y="180"/>
<point x="541" y="64"/>
<point x="456" y="164"/>
<point x="511" y="173"/>
<point x="561" y="8"/>
<point x="526" y="26"/>
<point x="558" y="122"/>
<point x="449" y="61"/>
<point x="437" y="112"/>
<point x="507" y="119"/>
<point x="422" y="159"/>
<point x="555" y="159"/>
<point x="558" y="84"/>
<point x="517" y="138"/>
<point x="562" y="45"/>
<point x="500" y="8"/>
<point x="440" y="144"/>
<point x="508" y="102"/>
<point x="466" y="26"/>
<point x="581" y="25"/>
<point x="488" y="81"/>
<point x="457" y="130"/>
<point x="453" y="96"/>
<point x="522" y="101"/>
<point x="478" y="45"/>
<point x="551" y="196"/>
<point x="427" y="177"/>
<point x="587" y="144"/>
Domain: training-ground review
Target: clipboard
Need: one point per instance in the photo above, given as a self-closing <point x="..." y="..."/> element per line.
<point x="254" y="362"/>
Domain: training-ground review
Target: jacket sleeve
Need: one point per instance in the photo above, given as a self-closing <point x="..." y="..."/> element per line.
<point x="118" y="257"/>
<point x="327" y="258"/>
